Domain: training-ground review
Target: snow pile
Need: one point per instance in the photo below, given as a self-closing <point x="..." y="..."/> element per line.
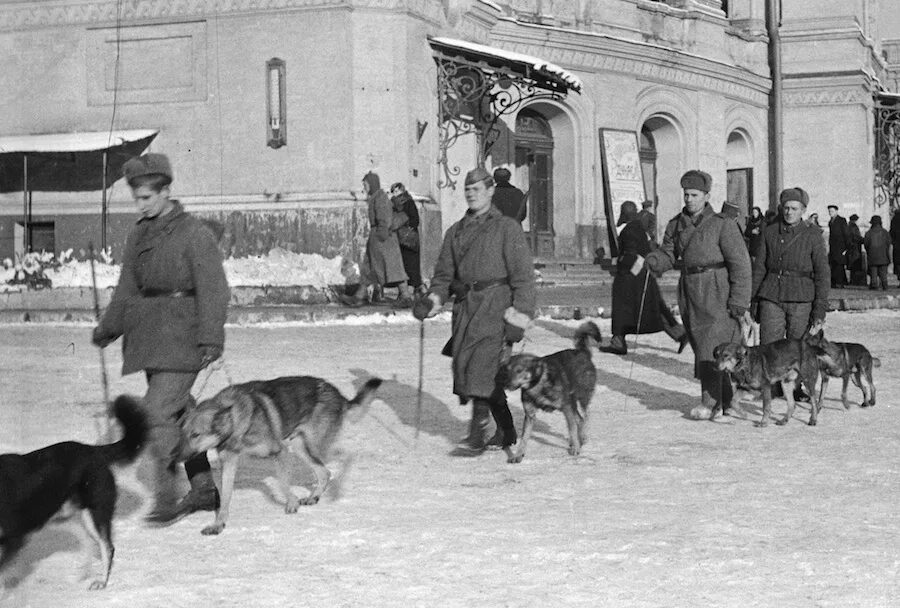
<point x="282" y="267"/>
<point x="278" y="268"/>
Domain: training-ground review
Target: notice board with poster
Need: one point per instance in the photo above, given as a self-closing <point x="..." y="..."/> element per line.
<point x="623" y="179"/>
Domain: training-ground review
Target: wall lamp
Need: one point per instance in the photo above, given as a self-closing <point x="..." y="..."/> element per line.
<point x="276" y="104"/>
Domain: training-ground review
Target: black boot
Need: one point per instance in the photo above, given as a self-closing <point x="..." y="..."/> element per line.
<point x="474" y="444"/>
<point x="203" y="495"/>
<point x="616" y="346"/>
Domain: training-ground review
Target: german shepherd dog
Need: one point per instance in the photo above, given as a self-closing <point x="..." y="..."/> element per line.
<point x="562" y="381"/>
<point x="55" y="482"/>
<point x="259" y="418"/>
<point x="786" y="361"/>
<point x="845" y="360"/>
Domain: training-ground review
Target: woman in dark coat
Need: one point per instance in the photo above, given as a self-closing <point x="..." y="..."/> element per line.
<point x="854" y="253"/>
<point x="170" y="306"/>
<point x="406" y="215"/>
<point x="635" y="293"/>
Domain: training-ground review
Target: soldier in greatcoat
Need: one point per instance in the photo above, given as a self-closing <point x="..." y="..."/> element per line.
<point x="714" y="288"/>
<point x="169" y="306"/>
<point x="486" y="267"/>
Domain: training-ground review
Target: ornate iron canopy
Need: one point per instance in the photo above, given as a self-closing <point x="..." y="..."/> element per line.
<point x="887" y="150"/>
<point x="479" y="85"/>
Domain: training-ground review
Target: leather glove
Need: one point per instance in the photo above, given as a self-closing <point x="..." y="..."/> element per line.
<point x="736" y="312"/>
<point x="101" y="339"/>
<point x="426" y="305"/>
<point x="208" y="354"/>
<point x="513" y="333"/>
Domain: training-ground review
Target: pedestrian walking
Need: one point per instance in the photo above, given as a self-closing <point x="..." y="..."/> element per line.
<point x="895" y="242"/>
<point x="507" y="198"/>
<point x="878" y="244"/>
<point x="753" y="231"/>
<point x="838" y="244"/>
<point x="637" y="304"/>
<point x="382" y="265"/>
<point x="406" y="224"/>
<point x="791" y="275"/>
<point x="169" y="306"/>
<point x="648" y="220"/>
<point x="714" y="287"/>
<point x="855" y="259"/>
<point x="486" y="267"/>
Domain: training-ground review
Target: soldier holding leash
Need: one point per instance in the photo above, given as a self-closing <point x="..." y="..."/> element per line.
<point x="486" y="266"/>
<point x="714" y="288"/>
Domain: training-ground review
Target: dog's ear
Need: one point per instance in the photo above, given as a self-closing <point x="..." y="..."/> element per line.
<point x="741" y="351"/>
<point x="716" y="351"/>
<point x="538" y="368"/>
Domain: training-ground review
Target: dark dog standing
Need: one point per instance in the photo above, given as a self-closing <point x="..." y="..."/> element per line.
<point x="785" y="361"/>
<point x="562" y="381"/>
<point x="845" y="360"/>
<point x="65" y="478"/>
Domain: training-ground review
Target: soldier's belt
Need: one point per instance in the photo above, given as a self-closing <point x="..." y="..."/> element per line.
<point x="792" y="273"/>
<point x="699" y="269"/>
<point x="167" y="293"/>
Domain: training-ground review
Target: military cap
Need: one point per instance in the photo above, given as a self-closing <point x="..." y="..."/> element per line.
<point x="696" y="180"/>
<point x="148" y="164"/>
<point x="479" y="174"/>
<point x="794" y="194"/>
<point x="835" y="207"/>
<point x="854" y="217"/>
<point x="647" y="204"/>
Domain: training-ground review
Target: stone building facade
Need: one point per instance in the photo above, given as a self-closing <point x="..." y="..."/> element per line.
<point x="688" y="81"/>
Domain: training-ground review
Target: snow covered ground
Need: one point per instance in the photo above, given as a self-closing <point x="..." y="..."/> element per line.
<point x="659" y="510"/>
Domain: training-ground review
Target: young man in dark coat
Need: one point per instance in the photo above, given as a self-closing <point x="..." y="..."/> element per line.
<point x="714" y="288"/>
<point x="790" y="273"/>
<point x="635" y="294"/>
<point x="878" y="245"/>
<point x="507" y="198"/>
<point x="838" y="243"/>
<point x="486" y="266"/>
<point x="170" y="306"/>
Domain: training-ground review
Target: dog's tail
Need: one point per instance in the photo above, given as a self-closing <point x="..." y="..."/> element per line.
<point x="586" y="332"/>
<point x="366" y="393"/>
<point x="131" y="416"/>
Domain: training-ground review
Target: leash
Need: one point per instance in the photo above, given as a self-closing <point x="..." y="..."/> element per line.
<point x="104" y="378"/>
<point x="421" y="374"/>
<point x="638" y="328"/>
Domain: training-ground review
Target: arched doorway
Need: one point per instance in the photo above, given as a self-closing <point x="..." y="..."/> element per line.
<point x="739" y="170"/>
<point x="534" y="170"/>
<point x="661" y="163"/>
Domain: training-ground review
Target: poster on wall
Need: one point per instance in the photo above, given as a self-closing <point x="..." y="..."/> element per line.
<point x="622" y="176"/>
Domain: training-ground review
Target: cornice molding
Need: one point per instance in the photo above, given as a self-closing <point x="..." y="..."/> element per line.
<point x="33" y="15"/>
<point x="844" y="92"/>
<point x="648" y="63"/>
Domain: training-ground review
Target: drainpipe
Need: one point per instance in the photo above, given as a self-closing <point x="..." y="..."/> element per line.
<point x="776" y="106"/>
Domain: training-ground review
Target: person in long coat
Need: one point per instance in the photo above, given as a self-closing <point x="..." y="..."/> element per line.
<point x="382" y="265"/>
<point x="855" y="262"/>
<point x="636" y="298"/>
<point x="753" y="231"/>
<point x="878" y="244"/>
<point x="507" y="198"/>
<point x="406" y="214"/>
<point x="486" y="267"/>
<point x="838" y="243"/>
<point x="714" y="287"/>
<point x="169" y="306"/>
<point x="895" y="242"/>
